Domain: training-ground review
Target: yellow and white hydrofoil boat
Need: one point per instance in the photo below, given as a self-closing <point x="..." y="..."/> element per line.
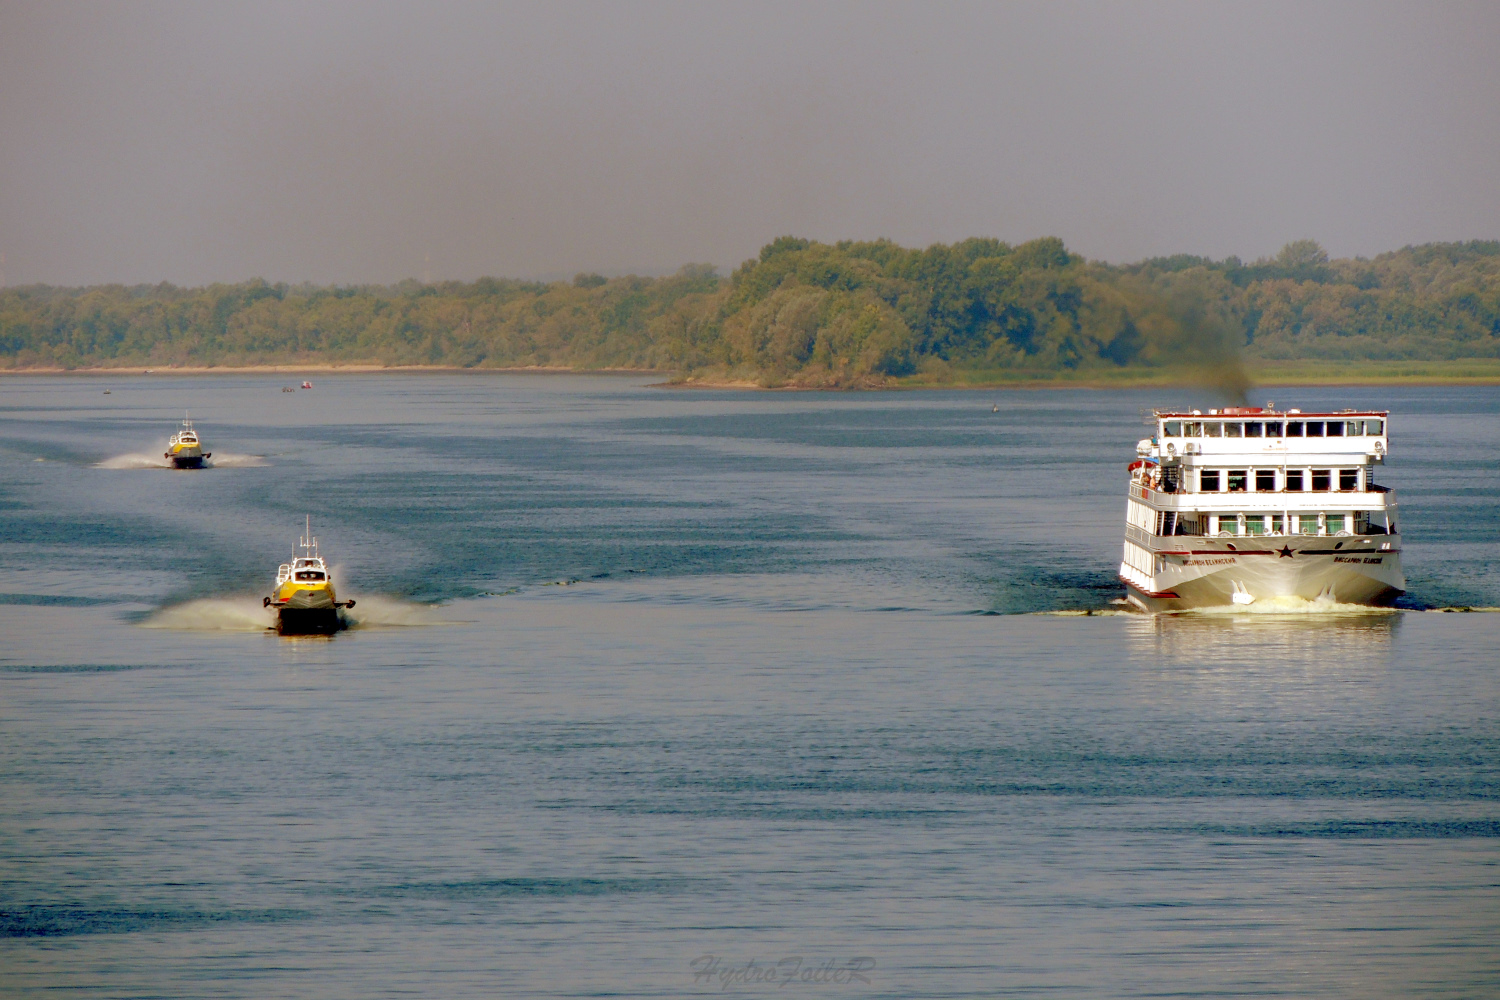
<point x="185" y="448"/>
<point x="304" y="597"/>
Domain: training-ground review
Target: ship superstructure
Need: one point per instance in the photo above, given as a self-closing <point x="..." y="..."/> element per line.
<point x="1246" y="504"/>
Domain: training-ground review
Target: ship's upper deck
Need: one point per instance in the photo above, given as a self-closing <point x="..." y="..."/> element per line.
<point x="1246" y="432"/>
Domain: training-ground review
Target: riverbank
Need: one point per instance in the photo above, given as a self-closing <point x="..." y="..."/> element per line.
<point x="327" y="369"/>
<point x="1470" y="371"/>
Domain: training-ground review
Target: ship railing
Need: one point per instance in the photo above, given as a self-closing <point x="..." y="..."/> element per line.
<point x="1189" y="529"/>
<point x="1144" y="492"/>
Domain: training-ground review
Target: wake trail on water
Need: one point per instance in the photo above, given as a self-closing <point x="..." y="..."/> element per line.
<point x="247" y="614"/>
<point x="1263" y="606"/>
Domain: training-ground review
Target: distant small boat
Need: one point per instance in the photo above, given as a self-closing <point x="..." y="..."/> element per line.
<point x="288" y="388"/>
<point x="995" y="408"/>
<point x="307" y="385"/>
<point x="106" y="392"/>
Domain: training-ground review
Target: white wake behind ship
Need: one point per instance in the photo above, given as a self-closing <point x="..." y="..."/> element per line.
<point x="1245" y="505"/>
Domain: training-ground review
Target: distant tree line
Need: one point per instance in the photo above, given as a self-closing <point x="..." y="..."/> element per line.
<point x="808" y="313"/>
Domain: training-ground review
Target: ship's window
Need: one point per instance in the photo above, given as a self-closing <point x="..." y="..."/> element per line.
<point x="1315" y="428"/>
<point x="1276" y="528"/>
<point x="1294" y="428"/>
<point x="1237" y="480"/>
<point x="1233" y="429"/>
<point x="309" y="574"/>
<point x="1307" y="524"/>
<point x="1172" y="429"/>
<point x="1265" y="480"/>
<point x="1255" y="524"/>
<point x="1253" y="428"/>
<point x="1273" y="428"/>
<point x="1213" y="429"/>
<point x="1348" y="480"/>
<point x="1335" y="523"/>
<point x="1294" y="480"/>
<point x="1192" y="429"/>
<point x="1320" y="480"/>
<point x="1208" y="481"/>
<point x="1335" y="428"/>
<point x="1375" y="427"/>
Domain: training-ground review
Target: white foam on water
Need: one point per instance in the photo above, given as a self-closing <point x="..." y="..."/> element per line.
<point x="388" y="612"/>
<point x="215" y="614"/>
<point x="134" y="462"/>
<point x="1290" y="605"/>
<point x="231" y="460"/>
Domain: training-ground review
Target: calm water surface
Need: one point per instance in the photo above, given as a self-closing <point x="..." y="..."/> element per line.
<point x="657" y="693"/>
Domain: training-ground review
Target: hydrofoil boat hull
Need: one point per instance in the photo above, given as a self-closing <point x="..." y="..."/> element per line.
<point x="308" y="621"/>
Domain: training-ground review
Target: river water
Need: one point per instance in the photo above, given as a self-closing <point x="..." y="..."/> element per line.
<point x="675" y="693"/>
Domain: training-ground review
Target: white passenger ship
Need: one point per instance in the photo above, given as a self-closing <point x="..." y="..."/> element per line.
<point x="1240" y="505"/>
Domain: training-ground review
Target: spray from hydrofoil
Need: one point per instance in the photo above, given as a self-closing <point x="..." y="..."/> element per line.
<point x="388" y="612"/>
<point x="134" y="462"/>
<point x="220" y="460"/>
<point x="215" y="614"/>
<point x="246" y="614"/>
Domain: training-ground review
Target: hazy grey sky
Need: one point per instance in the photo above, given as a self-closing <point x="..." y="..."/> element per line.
<point x="352" y="142"/>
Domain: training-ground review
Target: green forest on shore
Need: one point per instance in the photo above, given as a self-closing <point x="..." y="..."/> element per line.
<point x="840" y="315"/>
